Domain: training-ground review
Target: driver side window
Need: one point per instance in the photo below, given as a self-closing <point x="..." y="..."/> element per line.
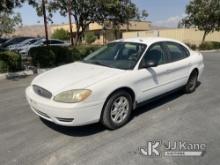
<point x="156" y="54"/>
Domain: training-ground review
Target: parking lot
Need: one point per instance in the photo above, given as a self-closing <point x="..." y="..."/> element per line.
<point x="25" y="139"/>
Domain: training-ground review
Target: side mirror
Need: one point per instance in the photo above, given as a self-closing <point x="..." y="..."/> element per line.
<point x="149" y="64"/>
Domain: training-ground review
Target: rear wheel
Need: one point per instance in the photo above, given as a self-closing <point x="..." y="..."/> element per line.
<point x="192" y="82"/>
<point x="117" y="110"/>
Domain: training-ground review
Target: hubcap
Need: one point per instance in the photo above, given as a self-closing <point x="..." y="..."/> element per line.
<point x="119" y="109"/>
<point x="192" y="82"/>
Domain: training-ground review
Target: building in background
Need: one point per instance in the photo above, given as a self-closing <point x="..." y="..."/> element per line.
<point x="105" y="33"/>
<point x="191" y="36"/>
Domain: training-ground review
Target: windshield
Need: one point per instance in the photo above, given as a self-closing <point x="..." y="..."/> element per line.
<point x="38" y="42"/>
<point x="31" y="41"/>
<point x="28" y="41"/>
<point x="121" y="55"/>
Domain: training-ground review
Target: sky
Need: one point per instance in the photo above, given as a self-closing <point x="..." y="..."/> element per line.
<point x="166" y="13"/>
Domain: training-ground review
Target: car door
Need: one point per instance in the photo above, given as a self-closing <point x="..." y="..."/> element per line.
<point x="153" y="81"/>
<point x="179" y="64"/>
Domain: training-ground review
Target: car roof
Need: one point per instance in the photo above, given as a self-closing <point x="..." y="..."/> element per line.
<point x="148" y="40"/>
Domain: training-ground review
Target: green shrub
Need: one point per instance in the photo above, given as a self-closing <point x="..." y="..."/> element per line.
<point x="52" y="56"/>
<point x="209" y="45"/>
<point x="12" y="60"/>
<point x="90" y="37"/>
<point x="42" y="57"/>
<point x="75" y="54"/>
<point x="62" y="55"/>
<point x="86" y="50"/>
<point x="81" y="51"/>
<point x="2" y="49"/>
<point x="3" y="67"/>
<point x="45" y="57"/>
<point x="60" y="34"/>
<point x="192" y="46"/>
<point x="206" y="46"/>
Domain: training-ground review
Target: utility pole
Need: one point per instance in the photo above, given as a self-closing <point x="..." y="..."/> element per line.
<point x="127" y="19"/>
<point x="70" y="21"/>
<point x="45" y="21"/>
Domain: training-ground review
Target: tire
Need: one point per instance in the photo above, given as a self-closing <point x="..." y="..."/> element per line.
<point x="117" y="110"/>
<point x="191" y="85"/>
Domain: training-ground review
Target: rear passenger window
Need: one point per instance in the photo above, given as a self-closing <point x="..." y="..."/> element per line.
<point x="176" y="51"/>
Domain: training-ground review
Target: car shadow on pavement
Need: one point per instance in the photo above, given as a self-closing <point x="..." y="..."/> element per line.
<point x="17" y="78"/>
<point x="79" y="131"/>
<point x="157" y="102"/>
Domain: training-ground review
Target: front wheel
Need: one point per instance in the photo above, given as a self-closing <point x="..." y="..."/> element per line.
<point x="192" y="82"/>
<point x="117" y="110"/>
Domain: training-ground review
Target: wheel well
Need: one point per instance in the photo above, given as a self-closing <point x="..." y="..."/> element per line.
<point x="127" y="89"/>
<point x="195" y="70"/>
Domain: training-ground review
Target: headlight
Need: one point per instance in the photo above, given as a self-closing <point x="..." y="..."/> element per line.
<point x="73" y="96"/>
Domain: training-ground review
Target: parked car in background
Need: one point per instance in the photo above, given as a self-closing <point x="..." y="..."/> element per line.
<point x="13" y="41"/>
<point x="55" y="42"/>
<point x="108" y="84"/>
<point x="18" y="46"/>
<point x="24" y="51"/>
<point x="2" y="40"/>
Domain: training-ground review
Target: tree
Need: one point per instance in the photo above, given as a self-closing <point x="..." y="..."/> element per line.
<point x="144" y="14"/>
<point x="8" y="19"/>
<point x="41" y="9"/>
<point x="8" y="22"/>
<point x="118" y="12"/>
<point x="70" y="23"/>
<point x="86" y="12"/>
<point x="8" y="5"/>
<point x="60" y="34"/>
<point x="203" y="14"/>
<point x="141" y="15"/>
<point x="90" y="37"/>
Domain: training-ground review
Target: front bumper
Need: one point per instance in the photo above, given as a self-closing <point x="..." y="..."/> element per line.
<point x="64" y="114"/>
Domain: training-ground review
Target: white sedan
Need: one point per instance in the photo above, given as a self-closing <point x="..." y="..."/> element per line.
<point x="111" y="82"/>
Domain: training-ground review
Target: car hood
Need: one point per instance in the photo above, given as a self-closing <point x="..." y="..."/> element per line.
<point x="76" y="75"/>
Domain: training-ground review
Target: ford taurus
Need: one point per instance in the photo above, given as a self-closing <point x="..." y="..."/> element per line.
<point x="111" y="82"/>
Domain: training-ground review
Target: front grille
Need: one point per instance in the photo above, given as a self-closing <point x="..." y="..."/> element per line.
<point x="42" y="92"/>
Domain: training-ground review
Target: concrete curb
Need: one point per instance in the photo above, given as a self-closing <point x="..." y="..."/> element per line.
<point x="11" y="75"/>
<point x="210" y="51"/>
<point x="39" y="71"/>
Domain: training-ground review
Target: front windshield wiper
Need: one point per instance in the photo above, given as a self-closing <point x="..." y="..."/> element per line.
<point x="95" y="62"/>
<point x="98" y="63"/>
